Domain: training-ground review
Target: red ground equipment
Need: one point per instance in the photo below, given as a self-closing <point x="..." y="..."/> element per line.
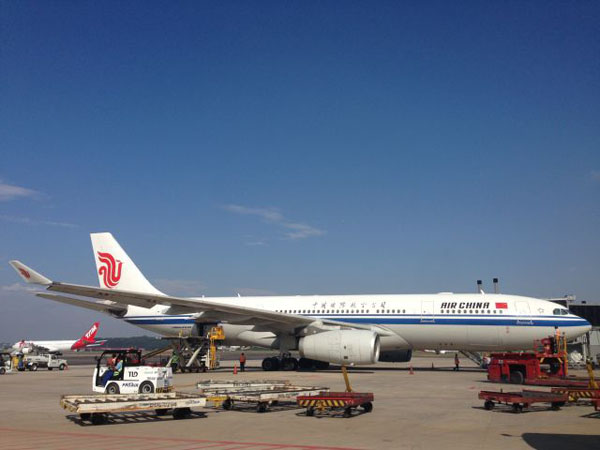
<point x="337" y="400"/>
<point x="547" y="365"/>
<point x="520" y="400"/>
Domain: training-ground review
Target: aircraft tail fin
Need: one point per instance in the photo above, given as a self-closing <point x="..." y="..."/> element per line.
<point x="90" y="335"/>
<point x="115" y="268"/>
<point x="29" y="275"/>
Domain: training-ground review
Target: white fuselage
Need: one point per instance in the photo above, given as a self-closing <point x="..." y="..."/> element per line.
<point x="52" y="346"/>
<point x="445" y="321"/>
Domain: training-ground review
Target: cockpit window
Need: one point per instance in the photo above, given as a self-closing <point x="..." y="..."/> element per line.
<point x="560" y="312"/>
<point x="564" y="312"/>
<point x="556" y="312"/>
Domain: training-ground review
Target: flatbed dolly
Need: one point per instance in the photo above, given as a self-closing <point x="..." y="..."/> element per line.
<point x="336" y="400"/>
<point x="347" y="400"/>
<point x="96" y="408"/>
<point x="524" y="399"/>
<point x="575" y="394"/>
<point x="264" y="393"/>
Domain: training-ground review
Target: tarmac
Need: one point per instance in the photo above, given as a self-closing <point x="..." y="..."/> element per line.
<point x="431" y="408"/>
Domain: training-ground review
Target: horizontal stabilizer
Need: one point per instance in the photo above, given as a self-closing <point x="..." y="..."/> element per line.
<point x="29" y="275"/>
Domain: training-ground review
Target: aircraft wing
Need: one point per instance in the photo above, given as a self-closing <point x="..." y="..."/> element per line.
<point x="262" y="319"/>
<point x="104" y="307"/>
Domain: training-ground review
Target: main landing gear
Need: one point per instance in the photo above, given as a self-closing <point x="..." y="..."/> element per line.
<point x="289" y="363"/>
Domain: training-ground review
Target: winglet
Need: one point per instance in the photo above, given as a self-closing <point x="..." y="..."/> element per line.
<point x="29" y="275"/>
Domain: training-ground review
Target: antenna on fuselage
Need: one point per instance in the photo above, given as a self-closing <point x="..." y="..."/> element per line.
<point x="496" y="287"/>
<point x="480" y="287"/>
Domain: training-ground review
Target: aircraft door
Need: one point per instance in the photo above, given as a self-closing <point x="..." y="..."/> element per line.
<point x="427" y="311"/>
<point x="524" y="313"/>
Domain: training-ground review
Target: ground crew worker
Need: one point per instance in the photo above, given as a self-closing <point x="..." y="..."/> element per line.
<point x="110" y="370"/>
<point x="118" y="369"/>
<point x="243" y="362"/>
<point x="456" y="362"/>
<point x="174" y="362"/>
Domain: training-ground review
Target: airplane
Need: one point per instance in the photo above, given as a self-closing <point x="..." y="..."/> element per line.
<point x="86" y="340"/>
<point x="337" y="329"/>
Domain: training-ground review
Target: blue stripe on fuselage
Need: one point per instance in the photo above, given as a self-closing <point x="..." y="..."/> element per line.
<point x="536" y="321"/>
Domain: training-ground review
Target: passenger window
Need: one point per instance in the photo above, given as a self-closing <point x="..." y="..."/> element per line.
<point x="453" y="311"/>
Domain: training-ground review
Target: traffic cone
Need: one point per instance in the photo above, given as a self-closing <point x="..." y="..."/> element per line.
<point x="410" y="370"/>
<point x="235" y="368"/>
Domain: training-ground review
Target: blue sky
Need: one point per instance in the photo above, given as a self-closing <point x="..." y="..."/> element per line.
<point x="299" y="148"/>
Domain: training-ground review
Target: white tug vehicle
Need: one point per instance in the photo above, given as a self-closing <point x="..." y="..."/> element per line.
<point x="122" y="372"/>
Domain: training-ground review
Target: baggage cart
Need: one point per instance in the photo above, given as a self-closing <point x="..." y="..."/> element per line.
<point x="575" y="394"/>
<point x="337" y="401"/>
<point x="523" y="399"/>
<point x="97" y="408"/>
<point x="332" y="401"/>
<point x="263" y="393"/>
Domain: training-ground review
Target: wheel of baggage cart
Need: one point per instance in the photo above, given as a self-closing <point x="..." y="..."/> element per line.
<point x="146" y="387"/>
<point x="261" y="407"/>
<point x="33" y="367"/>
<point x="367" y="407"/>
<point x="556" y="405"/>
<point x="85" y="416"/>
<point x="112" y="388"/>
<point x="98" y="418"/>
<point x="517" y="377"/>
<point x="347" y="412"/>
<point x="61" y="367"/>
<point x="310" y="411"/>
<point x="517" y="408"/>
<point x="2" y="370"/>
<point x="181" y="413"/>
<point x="227" y="404"/>
<point x="489" y="405"/>
<point x="50" y="368"/>
<point x="162" y="411"/>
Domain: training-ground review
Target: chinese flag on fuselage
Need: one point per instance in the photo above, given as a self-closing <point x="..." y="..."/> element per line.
<point x="501" y="305"/>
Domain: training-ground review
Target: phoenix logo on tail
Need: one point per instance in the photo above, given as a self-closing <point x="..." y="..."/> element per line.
<point x="110" y="270"/>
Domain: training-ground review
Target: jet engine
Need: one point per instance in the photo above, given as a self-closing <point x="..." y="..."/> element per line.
<point x="341" y="347"/>
<point x="395" y="356"/>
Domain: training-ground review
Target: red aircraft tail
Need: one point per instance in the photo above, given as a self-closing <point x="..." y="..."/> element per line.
<point x="87" y="338"/>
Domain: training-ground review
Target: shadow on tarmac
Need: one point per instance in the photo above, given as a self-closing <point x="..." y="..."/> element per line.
<point x="551" y="441"/>
<point x="133" y="417"/>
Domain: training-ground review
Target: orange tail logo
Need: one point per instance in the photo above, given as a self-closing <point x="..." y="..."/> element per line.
<point x="110" y="270"/>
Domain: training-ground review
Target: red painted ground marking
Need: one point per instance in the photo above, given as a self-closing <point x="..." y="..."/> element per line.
<point x="58" y="434"/>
